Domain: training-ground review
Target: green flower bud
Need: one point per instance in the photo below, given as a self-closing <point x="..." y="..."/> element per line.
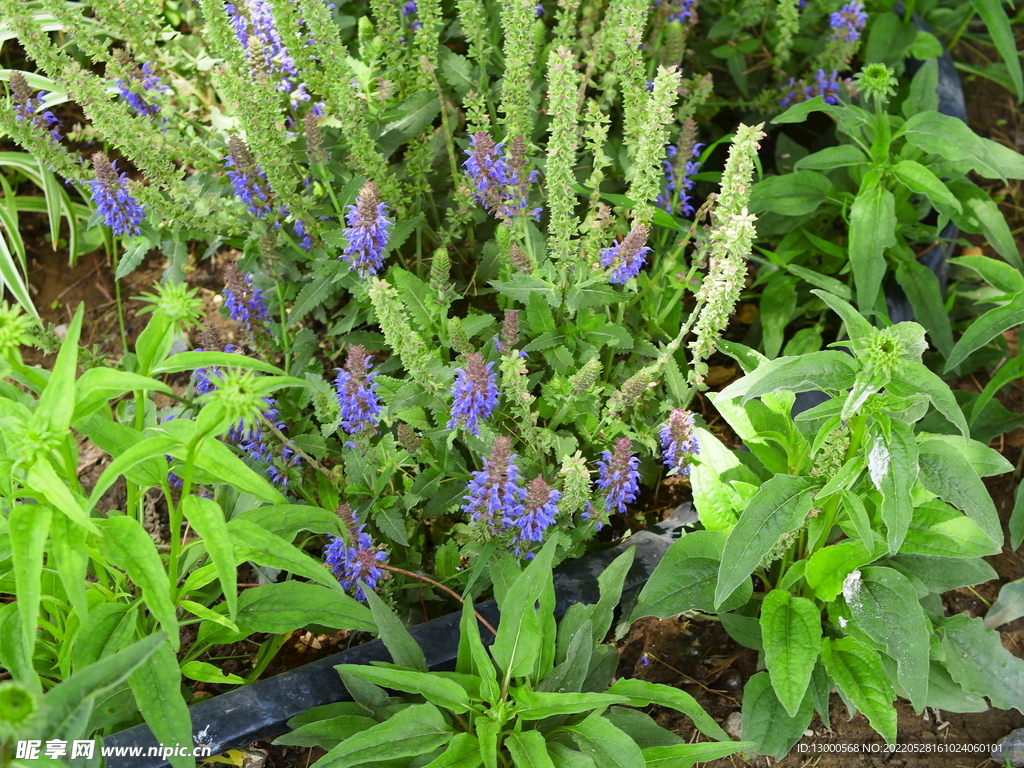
<point x="877" y="82"/>
<point x="176" y="302"/>
<point x="575" y="485"/>
<point x="19" y="706"/>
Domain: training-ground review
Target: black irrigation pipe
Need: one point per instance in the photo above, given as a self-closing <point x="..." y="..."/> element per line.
<point x="261" y="710"/>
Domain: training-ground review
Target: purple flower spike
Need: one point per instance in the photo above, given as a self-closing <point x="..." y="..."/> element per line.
<point x="679" y="10"/>
<point x="360" y="407"/>
<point x="501" y="182"/>
<point x="28" y="107"/>
<point x="538" y="514"/>
<point x="494" y="495"/>
<point x="255" y="18"/>
<point x="680" y="170"/>
<point x="368" y="232"/>
<point x="627" y="257"/>
<point x="121" y="212"/>
<point x="678" y="443"/>
<point x="140" y="77"/>
<point x="618" y="476"/>
<point x="848" y="21"/>
<point x="356" y="563"/>
<point x="826" y="86"/>
<point x="244" y="302"/>
<point x="247" y="178"/>
<point x="476" y="394"/>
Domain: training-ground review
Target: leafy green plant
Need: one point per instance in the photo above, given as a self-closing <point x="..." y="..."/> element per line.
<point x="852" y="518"/>
<point x="539" y="696"/>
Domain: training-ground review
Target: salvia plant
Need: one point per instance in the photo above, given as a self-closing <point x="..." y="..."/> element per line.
<point x="480" y="258"/>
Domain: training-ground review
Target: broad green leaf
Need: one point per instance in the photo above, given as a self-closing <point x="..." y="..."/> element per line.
<point x="437" y="690"/>
<point x="528" y="750"/>
<point x="205" y="672"/>
<point x="997" y="273"/>
<point x="566" y="757"/>
<point x="913" y="378"/>
<point x="126" y="545"/>
<point x="885" y="606"/>
<point x="210" y="615"/>
<point x="415" y="730"/>
<point x="1009" y="606"/>
<point x="830" y="158"/>
<point x="326" y="733"/>
<point x="519" y="638"/>
<point x="792" y="194"/>
<point x="857" y="326"/>
<point x="536" y="705"/>
<point x="872" y="230"/>
<point x="1012" y="370"/>
<point x="791" y="635"/>
<point x="716" y="500"/>
<point x="819" y="370"/>
<point x="29" y="527"/>
<point x="893" y="468"/>
<point x="71" y="556"/>
<point x="685" y="579"/>
<point x="986" y="462"/>
<point x="941" y="574"/>
<point x="207" y="518"/>
<point x="487" y="731"/>
<point x="642" y="693"/>
<point x="977" y="660"/>
<point x="473" y="657"/>
<point x="142" y="451"/>
<point x="946" y="472"/>
<point x="985" y="328"/>
<point x="777" y="509"/>
<point x="264" y="548"/>
<point x="857" y="671"/>
<point x="607" y="745"/>
<point x="923" y="94"/>
<point x="767" y="723"/>
<point x="571" y="673"/>
<point x="641" y="728"/>
<point x="1002" y="32"/>
<point x="919" y="179"/>
<point x="1016" y="524"/>
<point x="948" y="695"/>
<point x="463" y="752"/>
<point x="98" y="385"/>
<point x="778" y="303"/>
<point x="829" y="566"/>
<point x="193" y="361"/>
<point x="108" y="628"/>
<point x="42" y="477"/>
<point x="925" y="296"/>
<point x="286" y="520"/>
<point x="400" y="644"/>
<point x="280" y="608"/>
<point x="688" y="755"/>
<point x="951" y="138"/>
<point x="938" y="530"/>
<point x="981" y="214"/>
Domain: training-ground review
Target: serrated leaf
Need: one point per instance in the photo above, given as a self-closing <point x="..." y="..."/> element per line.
<point x="312" y="295"/>
<point x="941" y="531"/>
<point x="642" y="693"/>
<point x="605" y="744"/>
<point x="280" y="608"/>
<point x="134" y="253"/>
<point x="156" y="685"/>
<point x="828" y="567"/>
<point x="858" y="673"/>
<point x="415" y="730"/>
<point x="791" y="636"/>
<point x="977" y="660"/>
<point x="946" y="472"/>
<point x="767" y="723"/>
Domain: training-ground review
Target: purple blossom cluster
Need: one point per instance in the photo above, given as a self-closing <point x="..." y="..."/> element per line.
<point x="355" y="563"/>
<point x="28" y="107"/>
<point x="410" y="13"/>
<point x="109" y="190"/>
<point x="618" y="476"/>
<point x="255" y="19"/>
<point x="626" y="258"/>
<point x="501" y="182"/>
<point x="679" y="10"/>
<point x="247" y="178"/>
<point x="680" y="166"/>
<point x="493" y="494"/>
<point x="824" y="85"/>
<point x="475" y="394"/>
<point x="356" y="392"/>
<point x="848" y="21"/>
<point x="368" y="232"/>
<point x="536" y="515"/>
<point x="141" y="77"/>
<point x="678" y="443"/>
<point x="246" y="304"/>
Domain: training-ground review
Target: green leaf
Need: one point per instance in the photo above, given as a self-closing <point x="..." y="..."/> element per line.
<point x="688" y="755"/>
<point x="98" y="385"/>
<point x="1009" y="606"/>
<point x="71" y="556"/>
<point x="411" y="117"/>
<point x="889" y="38"/>
<point x="1016" y="524"/>
<point x="29" y="527"/>
<point x="57" y="401"/>
<point x="413" y="731"/>
<point x="792" y="194"/>
<point x="857" y="671"/>
<point x="126" y="545"/>
<point x="326" y="733"/>
<point x="1011" y="371"/>
<point x="264" y="548"/>
<point x="981" y="214"/>
<point x="403" y="649"/>
<point x="536" y="705"/>
<point x="778" y="303"/>
<point x="135" y="251"/>
<point x="522" y="287"/>
<point x="156" y="685"/>
<point x="999" y="27"/>
<point x="941" y="574"/>
<point x="286" y="520"/>
<point x="925" y="296"/>
<point x="463" y="752"/>
<point x="207" y="518"/>
<point x="142" y="451"/>
<point x="571" y="673"/>
<point x="829" y="566"/>
<point x="416" y="297"/>
<point x="205" y="672"/>
<point x="921" y="180"/>
<point x="566" y="757"/>
<point x="829" y="158"/>
<point x="946" y="472"/>
<point x="767" y="723"/>
<point x="872" y="230"/>
<point x="948" y="695"/>
<point x="977" y="660"/>
<point x="487" y="731"/>
<point x="108" y="628"/>
<point x="893" y="468"/>
<point x="913" y="378"/>
<point x="280" y="608"/>
<point x="923" y="96"/>
<point x="791" y="635"/>
<point x="607" y="745"/>
<point x="819" y="370"/>
<point x="642" y="693"/>
<point x="472" y="657"/>
<point x="938" y="530"/>
<point x="857" y="326"/>
<point x="192" y="361"/>
<point x="312" y="295"/>
<point x="517" y="647"/>
<point x="437" y="690"/>
<point x="779" y="507"/>
<point x="986" y="328"/>
<point x="528" y="750"/>
<point x="997" y="273"/>
<point x="882" y="595"/>
<point x="685" y="579"/>
<point x="926" y="46"/>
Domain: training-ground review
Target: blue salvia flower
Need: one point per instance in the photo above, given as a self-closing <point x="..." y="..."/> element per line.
<point x="247" y="178"/>
<point x="28" y="107"/>
<point x="679" y="10"/>
<point x="493" y="494"/>
<point x="356" y="392"/>
<point x="826" y="86"/>
<point x="517" y="189"/>
<point x="255" y="17"/>
<point x="618" y="476"/>
<point x="245" y="303"/>
<point x="475" y="394"/>
<point x="368" y="232"/>
<point x="848" y="21"/>
<point x="626" y="258"/>
<point x="500" y="182"/>
<point x="788" y="98"/>
<point x="678" y="443"/>
<point x="139" y="77"/>
<point x="305" y="239"/>
<point x="412" y="23"/>
<point x="680" y="170"/>
<point x="121" y="212"/>
<point x="355" y="563"/>
<point x="537" y="515"/>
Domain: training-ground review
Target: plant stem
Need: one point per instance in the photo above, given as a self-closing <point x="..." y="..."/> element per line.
<point x="441" y="586"/>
